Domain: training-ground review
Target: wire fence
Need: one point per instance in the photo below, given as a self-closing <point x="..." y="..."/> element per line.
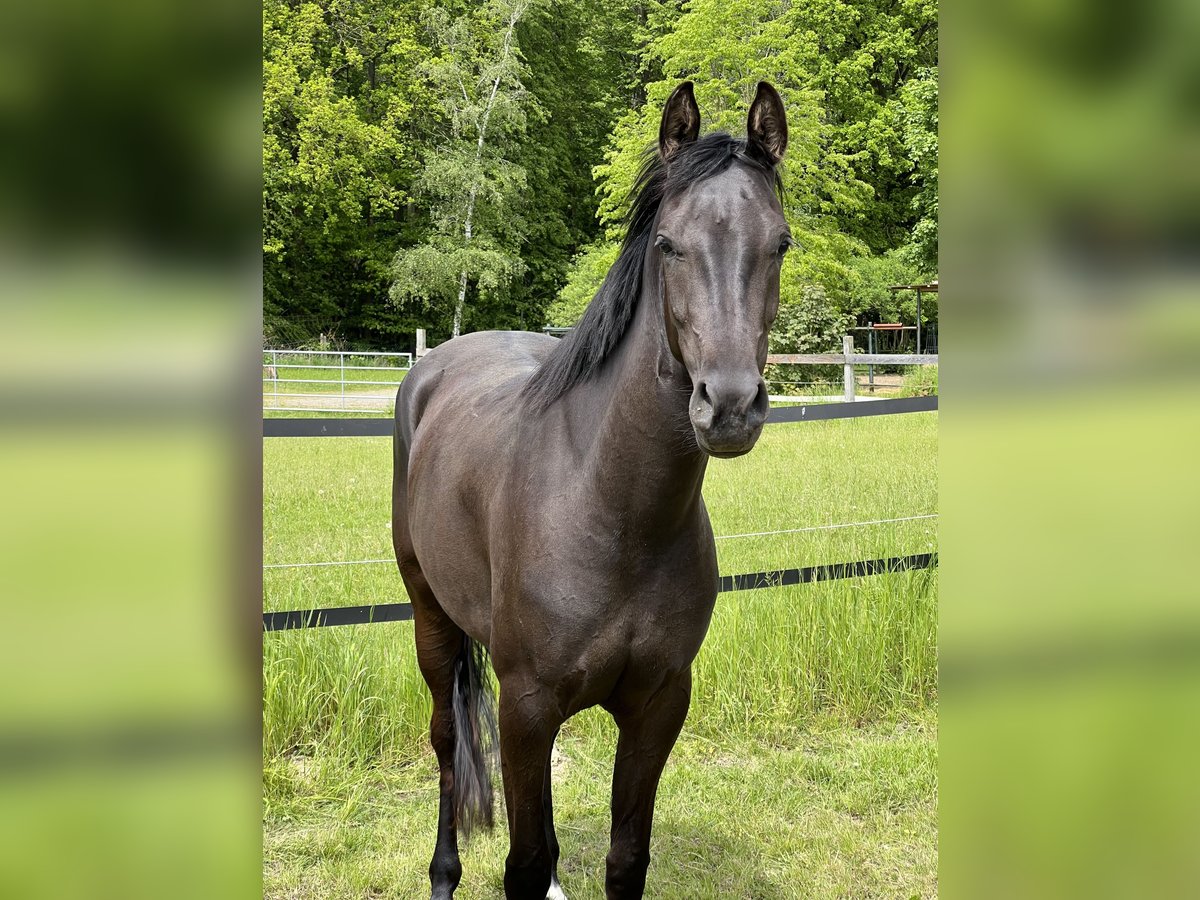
<point x="721" y="537"/>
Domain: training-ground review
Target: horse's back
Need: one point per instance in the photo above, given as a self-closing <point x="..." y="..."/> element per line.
<point x="485" y="366"/>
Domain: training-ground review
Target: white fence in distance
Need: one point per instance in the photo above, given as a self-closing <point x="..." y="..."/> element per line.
<point x="848" y="359"/>
<point x="332" y="380"/>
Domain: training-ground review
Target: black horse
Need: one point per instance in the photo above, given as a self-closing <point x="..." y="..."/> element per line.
<point x="547" y="506"/>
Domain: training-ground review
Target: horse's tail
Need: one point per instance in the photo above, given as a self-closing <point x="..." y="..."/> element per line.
<point x="475" y="739"/>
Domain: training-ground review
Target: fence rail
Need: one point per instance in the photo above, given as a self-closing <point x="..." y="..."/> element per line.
<point x="401" y="612"/>
<point x="856" y="359"/>
<point x="394" y="612"/>
<point x="277" y="428"/>
<point x="848" y="359"/>
<point x="376" y="354"/>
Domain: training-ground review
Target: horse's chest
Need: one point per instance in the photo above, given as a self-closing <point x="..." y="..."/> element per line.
<point x="648" y="622"/>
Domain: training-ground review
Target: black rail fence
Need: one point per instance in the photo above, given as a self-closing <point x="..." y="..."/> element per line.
<point x="812" y="412"/>
<point x="400" y="612"/>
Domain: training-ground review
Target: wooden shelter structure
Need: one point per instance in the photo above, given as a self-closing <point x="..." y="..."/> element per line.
<point x="930" y="288"/>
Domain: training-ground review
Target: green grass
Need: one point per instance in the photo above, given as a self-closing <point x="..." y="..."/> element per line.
<point x="828" y="691"/>
<point x="920" y="381"/>
<point x="299" y="379"/>
<point x="846" y="813"/>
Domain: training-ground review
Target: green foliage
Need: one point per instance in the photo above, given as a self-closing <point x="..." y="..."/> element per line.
<point x="340" y="112"/>
<point x="470" y="186"/>
<point x="580" y="59"/>
<point x="921" y="381"/>
<point x="920" y="119"/>
<point x="861" y="164"/>
<point x="584" y="280"/>
<point x="873" y="277"/>
<point x="809" y="324"/>
<point x="371" y="118"/>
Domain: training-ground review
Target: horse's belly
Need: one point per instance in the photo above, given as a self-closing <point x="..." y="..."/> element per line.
<point x="458" y="579"/>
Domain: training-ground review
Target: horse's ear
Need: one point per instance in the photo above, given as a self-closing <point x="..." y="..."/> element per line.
<point x="680" y="121"/>
<point x="766" y="126"/>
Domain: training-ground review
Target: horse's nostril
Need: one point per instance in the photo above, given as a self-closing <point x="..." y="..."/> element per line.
<point x="703" y="409"/>
<point x="762" y="402"/>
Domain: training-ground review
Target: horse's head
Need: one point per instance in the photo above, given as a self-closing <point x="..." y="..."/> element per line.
<point x="720" y="242"/>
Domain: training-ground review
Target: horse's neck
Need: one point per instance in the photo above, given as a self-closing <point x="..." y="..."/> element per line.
<point x="645" y="456"/>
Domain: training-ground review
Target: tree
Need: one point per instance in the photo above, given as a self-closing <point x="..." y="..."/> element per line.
<point x="471" y="186"/>
<point x="431" y="164"/>
<point x="585" y="279"/>
<point x="854" y="145"/>
<point x="582" y="67"/>
<point x="809" y="324"/>
<point x="726" y="47"/>
<point x="919" y="99"/>
<point x="342" y="117"/>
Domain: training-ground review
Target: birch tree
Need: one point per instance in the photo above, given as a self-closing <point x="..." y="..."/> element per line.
<point x="470" y="184"/>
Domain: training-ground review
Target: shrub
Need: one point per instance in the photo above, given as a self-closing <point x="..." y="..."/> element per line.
<point x="922" y="381"/>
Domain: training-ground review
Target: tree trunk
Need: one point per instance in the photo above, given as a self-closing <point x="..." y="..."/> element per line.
<point x="458" y="307"/>
<point x="514" y="16"/>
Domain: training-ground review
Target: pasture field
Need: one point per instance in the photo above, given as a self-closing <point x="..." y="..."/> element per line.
<point x="807" y="766"/>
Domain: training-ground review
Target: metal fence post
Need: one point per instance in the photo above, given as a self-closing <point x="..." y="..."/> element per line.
<point x="342" y="360"/>
<point x="848" y="368"/>
<point x="871" y="350"/>
<point x="918" y="321"/>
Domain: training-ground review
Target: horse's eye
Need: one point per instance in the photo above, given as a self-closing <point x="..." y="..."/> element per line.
<point x="665" y="247"/>
<point x="784" y="246"/>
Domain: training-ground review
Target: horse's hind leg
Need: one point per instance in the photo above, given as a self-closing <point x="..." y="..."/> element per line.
<point x="440" y="648"/>
<point x="648" y="732"/>
<point x="439" y="645"/>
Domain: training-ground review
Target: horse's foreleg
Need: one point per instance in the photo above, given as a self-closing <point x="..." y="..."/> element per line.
<point x="647" y="736"/>
<point x="556" y="891"/>
<point x="529" y="721"/>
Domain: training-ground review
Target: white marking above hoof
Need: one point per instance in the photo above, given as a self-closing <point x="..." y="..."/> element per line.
<point x="556" y="891"/>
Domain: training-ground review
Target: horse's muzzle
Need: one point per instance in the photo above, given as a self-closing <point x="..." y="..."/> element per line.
<point x="728" y="412"/>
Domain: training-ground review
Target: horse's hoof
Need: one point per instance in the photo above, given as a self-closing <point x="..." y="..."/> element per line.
<point x="556" y="891"/>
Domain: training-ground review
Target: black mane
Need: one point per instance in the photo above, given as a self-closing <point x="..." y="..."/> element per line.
<point x="584" y="350"/>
